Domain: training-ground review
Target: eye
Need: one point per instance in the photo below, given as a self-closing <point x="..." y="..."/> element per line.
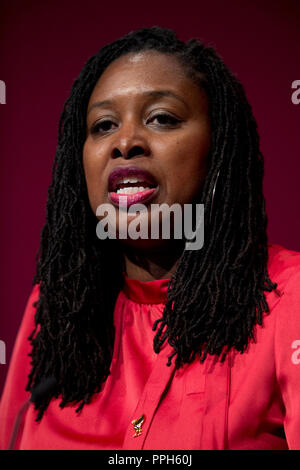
<point x="101" y="127"/>
<point x="164" y="120"/>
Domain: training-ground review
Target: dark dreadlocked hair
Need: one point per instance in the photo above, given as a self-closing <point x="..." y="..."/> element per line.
<point x="216" y="295"/>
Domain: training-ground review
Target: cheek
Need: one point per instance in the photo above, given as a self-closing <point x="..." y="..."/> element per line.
<point x="188" y="164"/>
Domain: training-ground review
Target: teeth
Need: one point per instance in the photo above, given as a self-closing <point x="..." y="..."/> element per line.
<point x="129" y="180"/>
<point x="131" y="190"/>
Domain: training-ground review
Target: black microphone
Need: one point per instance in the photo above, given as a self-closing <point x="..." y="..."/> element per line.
<point x="40" y="391"/>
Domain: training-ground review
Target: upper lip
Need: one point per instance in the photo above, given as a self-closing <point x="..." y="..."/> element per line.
<point x="118" y="174"/>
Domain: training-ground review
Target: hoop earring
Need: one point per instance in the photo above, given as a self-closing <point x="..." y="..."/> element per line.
<point x="213" y="197"/>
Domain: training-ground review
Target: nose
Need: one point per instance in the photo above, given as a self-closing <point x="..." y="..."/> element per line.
<point x="130" y="141"/>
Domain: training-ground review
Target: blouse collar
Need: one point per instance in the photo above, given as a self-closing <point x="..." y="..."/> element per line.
<point x="146" y="292"/>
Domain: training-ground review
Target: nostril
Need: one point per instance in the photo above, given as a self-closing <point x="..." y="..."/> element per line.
<point x="136" y="150"/>
<point x="133" y="152"/>
<point x="117" y="153"/>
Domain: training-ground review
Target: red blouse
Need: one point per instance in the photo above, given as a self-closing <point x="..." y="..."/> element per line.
<point x="248" y="402"/>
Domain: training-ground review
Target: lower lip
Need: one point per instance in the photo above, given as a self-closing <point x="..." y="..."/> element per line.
<point x="130" y="199"/>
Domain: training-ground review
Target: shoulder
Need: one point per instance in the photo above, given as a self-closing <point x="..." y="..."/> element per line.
<point x="283" y="266"/>
<point x="33" y="297"/>
<point x="27" y="323"/>
<point x="284" y="269"/>
<point x="14" y="393"/>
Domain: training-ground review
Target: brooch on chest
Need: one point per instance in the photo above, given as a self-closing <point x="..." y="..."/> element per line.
<point x="137" y="424"/>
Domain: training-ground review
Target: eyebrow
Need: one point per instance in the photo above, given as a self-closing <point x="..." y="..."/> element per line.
<point x="152" y="94"/>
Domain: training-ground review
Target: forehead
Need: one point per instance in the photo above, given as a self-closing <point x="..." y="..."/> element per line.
<point x="142" y="71"/>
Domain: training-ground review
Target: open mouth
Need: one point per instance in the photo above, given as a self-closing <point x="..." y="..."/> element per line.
<point x="132" y="186"/>
<point x="129" y="195"/>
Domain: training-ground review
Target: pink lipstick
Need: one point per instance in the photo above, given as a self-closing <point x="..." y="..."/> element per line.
<point x="131" y="185"/>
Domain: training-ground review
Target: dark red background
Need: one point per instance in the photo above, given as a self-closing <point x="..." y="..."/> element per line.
<point x="43" y="47"/>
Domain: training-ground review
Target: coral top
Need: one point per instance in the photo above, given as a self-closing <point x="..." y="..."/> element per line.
<point x="251" y="401"/>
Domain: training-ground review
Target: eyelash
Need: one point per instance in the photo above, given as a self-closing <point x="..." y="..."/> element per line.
<point x="172" y="122"/>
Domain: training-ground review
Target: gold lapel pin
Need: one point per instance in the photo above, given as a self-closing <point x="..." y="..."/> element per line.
<point x="137" y="424"/>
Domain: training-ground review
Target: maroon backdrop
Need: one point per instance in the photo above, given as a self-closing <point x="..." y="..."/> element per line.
<point x="43" y="47"/>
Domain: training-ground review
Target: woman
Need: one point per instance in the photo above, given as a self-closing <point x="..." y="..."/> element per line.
<point x="153" y="345"/>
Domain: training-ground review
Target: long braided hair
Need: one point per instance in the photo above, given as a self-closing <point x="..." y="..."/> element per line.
<point x="215" y="297"/>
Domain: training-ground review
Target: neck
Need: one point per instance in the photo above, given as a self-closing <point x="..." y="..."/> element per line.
<point x="149" y="265"/>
